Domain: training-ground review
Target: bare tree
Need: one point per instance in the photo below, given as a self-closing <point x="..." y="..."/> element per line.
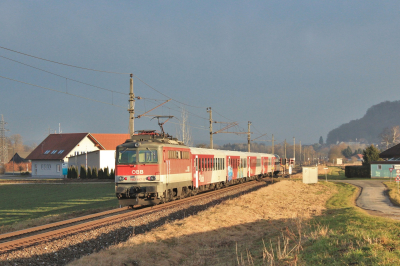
<point x="185" y="134"/>
<point x="390" y="136"/>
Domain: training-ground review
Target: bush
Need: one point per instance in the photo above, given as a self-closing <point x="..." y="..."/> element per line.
<point x="95" y="173"/>
<point x="101" y="173"/>
<point x="357" y="171"/>
<point x="106" y="173"/>
<point x="89" y="173"/>
<point x="69" y="173"/>
<point x="82" y="173"/>
<point x="112" y="174"/>
<point x="72" y="172"/>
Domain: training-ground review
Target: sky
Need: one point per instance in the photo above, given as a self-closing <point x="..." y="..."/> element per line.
<point x="293" y="68"/>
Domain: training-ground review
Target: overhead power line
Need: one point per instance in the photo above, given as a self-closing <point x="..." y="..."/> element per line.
<point x="165" y="94"/>
<point x="63" y="64"/>
<point x="62" y="76"/>
<point x="96" y="70"/>
<point x="90" y="99"/>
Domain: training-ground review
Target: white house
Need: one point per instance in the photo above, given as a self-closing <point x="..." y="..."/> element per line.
<point x="56" y="149"/>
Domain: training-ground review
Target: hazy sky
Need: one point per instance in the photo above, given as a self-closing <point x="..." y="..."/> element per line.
<point x="292" y="68"/>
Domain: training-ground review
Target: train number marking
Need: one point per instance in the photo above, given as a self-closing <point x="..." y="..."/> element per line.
<point x="137" y="172"/>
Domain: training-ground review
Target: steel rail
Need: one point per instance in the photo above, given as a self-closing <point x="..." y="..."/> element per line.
<point x="4" y="237"/>
<point x="73" y="229"/>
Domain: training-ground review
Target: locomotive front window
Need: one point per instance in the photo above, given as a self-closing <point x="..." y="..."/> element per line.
<point x="127" y="157"/>
<point x="148" y="156"/>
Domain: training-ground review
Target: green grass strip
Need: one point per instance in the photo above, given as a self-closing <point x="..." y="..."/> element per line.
<point x="345" y="235"/>
<point x="25" y="202"/>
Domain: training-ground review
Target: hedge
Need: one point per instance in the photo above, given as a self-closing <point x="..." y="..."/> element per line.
<point x="90" y="173"/>
<point x="357" y="171"/>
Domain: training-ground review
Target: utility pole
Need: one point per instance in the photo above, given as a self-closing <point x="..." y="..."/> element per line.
<point x="300" y="151"/>
<point x="248" y="136"/>
<point x="3" y="143"/>
<point x="211" y="129"/>
<point x="273" y="147"/>
<point x="131" y="109"/>
<point x="285" y="148"/>
<point x="294" y="152"/>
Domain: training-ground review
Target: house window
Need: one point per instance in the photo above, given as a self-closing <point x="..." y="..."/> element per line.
<point x="58" y="168"/>
<point x="379" y="167"/>
<point x="54" y="152"/>
<point x="61" y="151"/>
<point x="47" y="152"/>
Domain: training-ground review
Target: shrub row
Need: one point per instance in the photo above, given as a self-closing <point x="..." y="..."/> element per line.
<point x="358" y="171"/>
<point x="90" y="173"/>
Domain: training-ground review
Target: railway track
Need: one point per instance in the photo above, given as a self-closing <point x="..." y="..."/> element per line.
<point x="23" y="238"/>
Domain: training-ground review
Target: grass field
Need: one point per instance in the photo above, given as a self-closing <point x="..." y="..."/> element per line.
<point x="333" y="173"/>
<point x="352" y="237"/>
<point x="27" y="205"/>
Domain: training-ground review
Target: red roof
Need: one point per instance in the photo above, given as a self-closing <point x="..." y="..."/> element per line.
<point x="110" y="141"/>
<point x="56" y="146"/>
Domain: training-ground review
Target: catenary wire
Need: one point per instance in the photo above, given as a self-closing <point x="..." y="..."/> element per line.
<point x="62" y="76"/>
<point x="103" y="71"/>
<point x="61" y="92"/>
<point x="55" y="62"/>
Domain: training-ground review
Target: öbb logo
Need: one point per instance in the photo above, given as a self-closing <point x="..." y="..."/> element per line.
<point x="137" y="172"/>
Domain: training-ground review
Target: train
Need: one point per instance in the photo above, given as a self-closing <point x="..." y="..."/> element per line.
<point x="153" y="168"/>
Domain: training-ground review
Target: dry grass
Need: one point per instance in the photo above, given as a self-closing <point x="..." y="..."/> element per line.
<point x="230" y="233"/>
<point x="393" y="193"/>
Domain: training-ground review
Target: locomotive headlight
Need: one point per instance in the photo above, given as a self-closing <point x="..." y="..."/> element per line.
<point x="120" y="178"/>
<point x="151" y="178"/>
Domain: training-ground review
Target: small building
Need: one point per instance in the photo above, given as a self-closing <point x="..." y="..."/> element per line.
<point x="19" y="159"/>
<point x="56" y="149"/>
<point x="381" y="169"/>
<point x="391" y="159"/>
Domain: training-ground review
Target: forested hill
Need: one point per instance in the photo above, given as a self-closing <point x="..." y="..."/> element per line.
<point x="377" y="118"/>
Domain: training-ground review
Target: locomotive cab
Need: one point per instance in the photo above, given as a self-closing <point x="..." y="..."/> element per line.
<point x="145" y="170"/>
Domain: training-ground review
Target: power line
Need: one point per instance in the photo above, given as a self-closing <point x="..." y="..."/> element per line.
<point x="103" y="71"/>
<point x="165" y="94"/>
<point x="62" y="76"/>
<point x="61" y="92"/>
<point x="55" y="62"/>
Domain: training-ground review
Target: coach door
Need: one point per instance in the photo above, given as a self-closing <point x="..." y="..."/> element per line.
<point x="168" y="164"/>
<point x="248" y="167"/>
<point x="197" y="171"/>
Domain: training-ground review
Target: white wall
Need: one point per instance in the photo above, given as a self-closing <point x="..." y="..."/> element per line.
<point x="47" y="168"/>
<point x="98" y="159"/>
<point x="85" y="145"/>
<point x="107" y="159"/>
